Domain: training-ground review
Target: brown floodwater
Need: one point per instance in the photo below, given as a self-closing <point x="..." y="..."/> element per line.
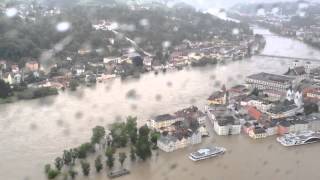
<point x="33" y="133"/>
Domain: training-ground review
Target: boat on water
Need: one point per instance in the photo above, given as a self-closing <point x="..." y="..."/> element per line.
<point x="301" y="138"/>
<point x="115" y="174"/>
<point x="206" y="153"/>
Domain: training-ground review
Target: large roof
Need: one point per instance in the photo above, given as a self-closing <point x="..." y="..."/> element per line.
<point x="164" y="117"/>
<point x="271" y="78"/>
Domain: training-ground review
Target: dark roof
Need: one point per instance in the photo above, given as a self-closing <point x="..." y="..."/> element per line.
<point x="259" y="130"/>
<point x="271" y="77"/>
<point x="164" y="117"/>
<point x="285" y="123"/>
<point x="216" y="95"/>
<point x="226" y="120"/>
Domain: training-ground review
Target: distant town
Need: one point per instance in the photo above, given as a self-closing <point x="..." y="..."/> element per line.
<point x="27" y="76"/>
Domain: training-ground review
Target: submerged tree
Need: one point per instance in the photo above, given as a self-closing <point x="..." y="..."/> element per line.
<point x="110" y="159"/>
<point x="132" y="153"/>
<point x="98" y="163"/>
<point x="122" y="158"/>
<point x="59" y="163"/>
<point x="98" y="134"/>
<point x="85" y="168"/>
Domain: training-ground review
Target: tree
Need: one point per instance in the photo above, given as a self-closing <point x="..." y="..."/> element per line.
<point x="132" y="153"/>
<point x="67" y="157"/>
<point x="144" y="131"/>
<point x="110" y="159"/>
<point x="59" y="163"/>
<point x="154" y="138"/>
<point x="131" y="127"/>
<point x="74" y="154"/>
<point x="122" y="158"/>
<point x="85" y="168"/>
<point x="84" y="149"/>
<point x="98" y="164"/>
<point x="52" y="173"/>
<point x="119" y="134"/>
<point x="47" y="168"/>
<point x="5" y="90"/>
<point x="143" y="146"/>
<point x="98" y="133"/>
<point x="72" y="173"/>
<point x="73" y="85"/>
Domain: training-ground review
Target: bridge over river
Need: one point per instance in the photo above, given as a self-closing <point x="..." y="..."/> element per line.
<point x="289" y="58"/>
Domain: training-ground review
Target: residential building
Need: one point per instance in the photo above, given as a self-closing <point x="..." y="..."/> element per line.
<point x="258" y="133"/>
<point x="163" y="121"/>
<point x="15" y="68"/>
<point x="32" y="66"/>
<point x="283" y="110"/>
<point x="218" y="97"/>
<point x="170" y="143"/>
<point x="226" y="125"/>
<point x="192" y="113"/>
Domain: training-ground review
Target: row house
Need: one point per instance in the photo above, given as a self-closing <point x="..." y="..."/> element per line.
<point x="285" y="126"/>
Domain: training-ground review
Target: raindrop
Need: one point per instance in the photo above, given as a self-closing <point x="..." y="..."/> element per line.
<point x="166" y="44"/>
<point x="11" y="12"/>
<point x="158" y="97"/>
<point x="302" y="14"/>
<point x="235" y="31"/>
<point x="66" y="132"/>
<point x="63" y="26"/>
<point x="144" y="22"/>
<point x="193" y="101"/>
<point x="275" y="10"/>
<point x="261" y="12"/>
<point x="173" y="166"/>
<point x="169" y="84"/>
<point x="78" y="115"/>
<point x="132" y="94"/>
<point x="217" y="84"/>
<point x="33" y="126"/>
<point x="60" y="123"/>
<point x="134" y="107"/>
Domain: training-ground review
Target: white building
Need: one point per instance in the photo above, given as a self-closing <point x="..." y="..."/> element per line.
<point x="162" y="121"/>
<point x="226" y="125"/>
<point x="264" y="81"/>
<point x="171" y="143"/>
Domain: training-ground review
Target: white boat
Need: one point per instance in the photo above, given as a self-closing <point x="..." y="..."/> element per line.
<point x="206" y="153"/>
<point x="295" y="139"/>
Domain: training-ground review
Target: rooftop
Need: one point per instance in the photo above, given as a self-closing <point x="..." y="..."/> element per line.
<point x="271" y="78"/>
<point x="164" y="117"/>
<point x="227" y="120"/>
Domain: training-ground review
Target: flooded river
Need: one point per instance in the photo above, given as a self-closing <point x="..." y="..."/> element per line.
<point x="33" y="133"/>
